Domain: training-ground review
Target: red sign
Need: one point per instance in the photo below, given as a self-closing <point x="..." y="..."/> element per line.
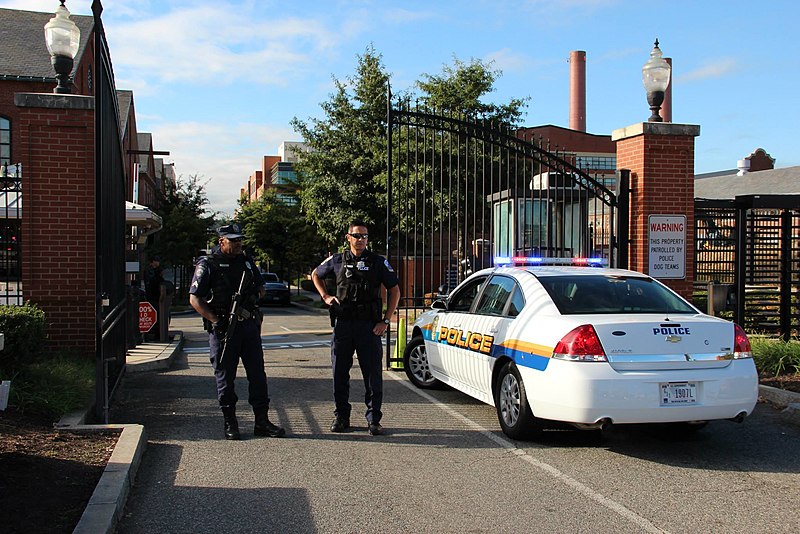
<point x="147" y="317"/>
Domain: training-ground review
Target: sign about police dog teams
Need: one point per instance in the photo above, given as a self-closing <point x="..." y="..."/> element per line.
<point x="667" y="246"/>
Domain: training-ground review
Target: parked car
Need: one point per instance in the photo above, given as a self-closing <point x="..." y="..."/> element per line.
<point x="582" y="345"/>
<point x="277" y="292"/>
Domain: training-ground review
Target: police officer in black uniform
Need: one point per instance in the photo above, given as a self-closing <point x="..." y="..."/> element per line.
<point x="357" y="309"/>
<point x="217" y="278"/>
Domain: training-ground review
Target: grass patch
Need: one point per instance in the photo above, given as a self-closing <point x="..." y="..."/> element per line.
<point x="776" y="357"/>
<point x="53" y="386"/>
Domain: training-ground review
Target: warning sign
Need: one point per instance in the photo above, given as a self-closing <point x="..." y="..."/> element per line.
<point x="667" y="246"/>
<point x="147" y="317"/>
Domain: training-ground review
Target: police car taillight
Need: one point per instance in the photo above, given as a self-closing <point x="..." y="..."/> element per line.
<point x="741" y="344"/>
<point x="580" y="345"/>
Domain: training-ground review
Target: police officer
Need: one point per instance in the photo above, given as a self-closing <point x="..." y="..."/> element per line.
<point x="357" y="309"/>
<point x="217" y="278"/>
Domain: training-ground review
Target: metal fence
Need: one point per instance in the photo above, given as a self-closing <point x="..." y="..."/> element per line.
<point x="112" y="298"/>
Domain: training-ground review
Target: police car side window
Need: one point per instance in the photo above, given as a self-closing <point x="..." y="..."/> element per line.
<point x="495" y="296"/>
<point x="517" y="303"/>
<point x="463" y="299"/>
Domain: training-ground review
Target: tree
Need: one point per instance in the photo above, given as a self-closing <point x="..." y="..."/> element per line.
<point x="459" y="89"/>
<point x="344" y="178"/>
<point x="186" y="223"/>
<point x="277" y="233"/>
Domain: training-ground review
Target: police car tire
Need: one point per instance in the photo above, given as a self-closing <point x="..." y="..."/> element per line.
<point x="415" y="364"/>
<point x="510" y="393"/>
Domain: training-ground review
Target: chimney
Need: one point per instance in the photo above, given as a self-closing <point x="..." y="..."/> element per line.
<point x="577" y="90"/>
<point x="666" y="107"/>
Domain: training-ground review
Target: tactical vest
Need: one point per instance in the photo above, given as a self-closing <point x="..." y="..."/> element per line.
<point x="358" y="287"/>
<point x="226" y="273"/>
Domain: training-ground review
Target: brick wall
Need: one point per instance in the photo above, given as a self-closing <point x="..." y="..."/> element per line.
<point x="660" y="157"/>
<point x="56" y="147"/>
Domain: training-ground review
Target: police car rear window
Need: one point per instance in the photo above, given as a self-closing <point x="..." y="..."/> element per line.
<point x="604" y="294"/>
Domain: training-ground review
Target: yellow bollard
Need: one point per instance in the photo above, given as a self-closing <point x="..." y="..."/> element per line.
<point x="400" y="345"/>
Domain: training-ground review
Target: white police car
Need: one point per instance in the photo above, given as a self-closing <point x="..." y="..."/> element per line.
<point x="582" y="345"/>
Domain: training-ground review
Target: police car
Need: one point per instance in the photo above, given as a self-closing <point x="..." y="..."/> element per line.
<point x="581" y="345"/>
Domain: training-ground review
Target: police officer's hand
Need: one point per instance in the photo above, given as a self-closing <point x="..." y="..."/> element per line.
<point x="330" y="300"/>
<point x="380" y="328"/>
<point x="220" y="327"/>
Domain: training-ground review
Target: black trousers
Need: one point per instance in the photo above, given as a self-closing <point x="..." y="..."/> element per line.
<point x="245" y="345"/>
<point x="355" y="336"/>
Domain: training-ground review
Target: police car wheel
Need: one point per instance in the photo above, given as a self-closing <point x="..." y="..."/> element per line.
<point x="513" y="412"/>
<point x="415" y="363"/>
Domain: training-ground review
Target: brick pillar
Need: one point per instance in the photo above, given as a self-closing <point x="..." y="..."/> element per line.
<point x="660" y="157"/>
<point x="56" y="139"/>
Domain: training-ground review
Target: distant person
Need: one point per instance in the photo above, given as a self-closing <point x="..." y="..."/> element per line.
<point x="217" y="278"/>
<point x="359" y="322"/>
<point x="153" y="277"/>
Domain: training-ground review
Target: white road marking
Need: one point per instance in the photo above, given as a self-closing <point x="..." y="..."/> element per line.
<point x="267" y="346"/>
<point x="547" y="468"/>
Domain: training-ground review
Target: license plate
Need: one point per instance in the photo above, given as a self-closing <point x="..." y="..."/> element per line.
<point x="276" y="298"/>
<point x="678" y="393"/>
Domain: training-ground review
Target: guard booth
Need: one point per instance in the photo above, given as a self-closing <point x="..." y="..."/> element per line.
<point x="558" y="218"/>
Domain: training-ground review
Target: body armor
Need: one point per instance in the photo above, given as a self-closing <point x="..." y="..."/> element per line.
<point x="226" y="272"/>
<point x="358" y="287"/>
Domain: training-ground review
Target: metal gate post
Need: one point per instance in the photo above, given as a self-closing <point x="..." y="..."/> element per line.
<point x="388" y="205"/>
<point x="623" y="218"/>
<point x="786" y="275"/>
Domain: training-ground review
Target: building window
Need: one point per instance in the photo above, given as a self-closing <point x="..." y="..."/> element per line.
<point x="5" y="141"/>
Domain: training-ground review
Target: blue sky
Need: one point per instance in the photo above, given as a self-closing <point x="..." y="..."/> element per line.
<point x="217" y="82"/>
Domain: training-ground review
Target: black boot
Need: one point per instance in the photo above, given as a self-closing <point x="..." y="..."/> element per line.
<point x="231" y="424"/>
<point x="264" y="427"/>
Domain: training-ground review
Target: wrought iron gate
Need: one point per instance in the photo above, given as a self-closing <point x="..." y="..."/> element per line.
<point x="463" y="192"/>
<point x="752" y="245"/>
<point x="110" y="226"/>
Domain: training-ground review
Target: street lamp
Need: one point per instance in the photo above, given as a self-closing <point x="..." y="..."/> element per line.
<point x="63" y="38"/>
<point x="655" y="78"/>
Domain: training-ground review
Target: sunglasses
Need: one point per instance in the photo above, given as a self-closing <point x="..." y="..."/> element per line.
<point x="234" y="240"/>
<point x="359" y="236"/>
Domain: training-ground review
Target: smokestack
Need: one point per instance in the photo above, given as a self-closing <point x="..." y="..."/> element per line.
<point x="666" y="107"/>
<point x="577" y="90"/>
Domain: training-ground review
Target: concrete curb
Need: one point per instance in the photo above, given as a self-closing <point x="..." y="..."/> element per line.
<point x="108" y="500"/>
<point x="788" y="400"/>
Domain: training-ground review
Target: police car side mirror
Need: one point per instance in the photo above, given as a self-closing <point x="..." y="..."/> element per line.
<point x="439" y="305"/>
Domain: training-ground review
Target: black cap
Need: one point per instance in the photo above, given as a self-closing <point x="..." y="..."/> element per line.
<point x="230" y="231"/>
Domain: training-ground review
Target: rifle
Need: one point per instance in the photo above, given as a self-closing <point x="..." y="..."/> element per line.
<point x="237" y="311"/>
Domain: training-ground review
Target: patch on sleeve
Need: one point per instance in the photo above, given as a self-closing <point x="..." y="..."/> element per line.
<point x="389" y="267"/>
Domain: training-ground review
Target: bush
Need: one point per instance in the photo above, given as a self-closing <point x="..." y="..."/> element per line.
<point x="25" y="331"/>
<point x="776" y="357"/>
<point x="53" y="386"/>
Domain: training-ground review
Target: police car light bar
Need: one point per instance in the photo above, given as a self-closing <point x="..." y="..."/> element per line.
<point x="535" y="260"/>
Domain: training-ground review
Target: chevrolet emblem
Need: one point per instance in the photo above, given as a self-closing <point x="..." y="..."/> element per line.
<point x="672" y="339"/>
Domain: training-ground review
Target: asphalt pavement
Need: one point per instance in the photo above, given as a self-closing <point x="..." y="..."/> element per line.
<point x="442" y="466"/>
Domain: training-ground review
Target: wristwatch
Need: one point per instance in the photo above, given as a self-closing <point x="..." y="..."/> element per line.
<point x="386" y="321"/>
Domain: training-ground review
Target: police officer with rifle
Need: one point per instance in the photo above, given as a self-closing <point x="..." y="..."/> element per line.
<point x="225" y="290"/>
<point x="359" y="321"/>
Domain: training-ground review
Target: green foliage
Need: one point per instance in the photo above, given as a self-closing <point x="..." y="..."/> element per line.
<point x="25" y="330"/>
<point x="775" y="356"/>
<point x="186" y="223"/>
<point x="345" y="177"/>
<point x="278" y="234"/>
<point x="459" y="89"/>
<point x="54" y="386"/>
<point x="347" y="169"/>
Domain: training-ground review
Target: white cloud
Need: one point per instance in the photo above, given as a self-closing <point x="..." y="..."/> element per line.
<point x="223" y="154"/>
<point x="507" y="60"/>
<point x="219" y="45"/>
<point x="716" y="69"/>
